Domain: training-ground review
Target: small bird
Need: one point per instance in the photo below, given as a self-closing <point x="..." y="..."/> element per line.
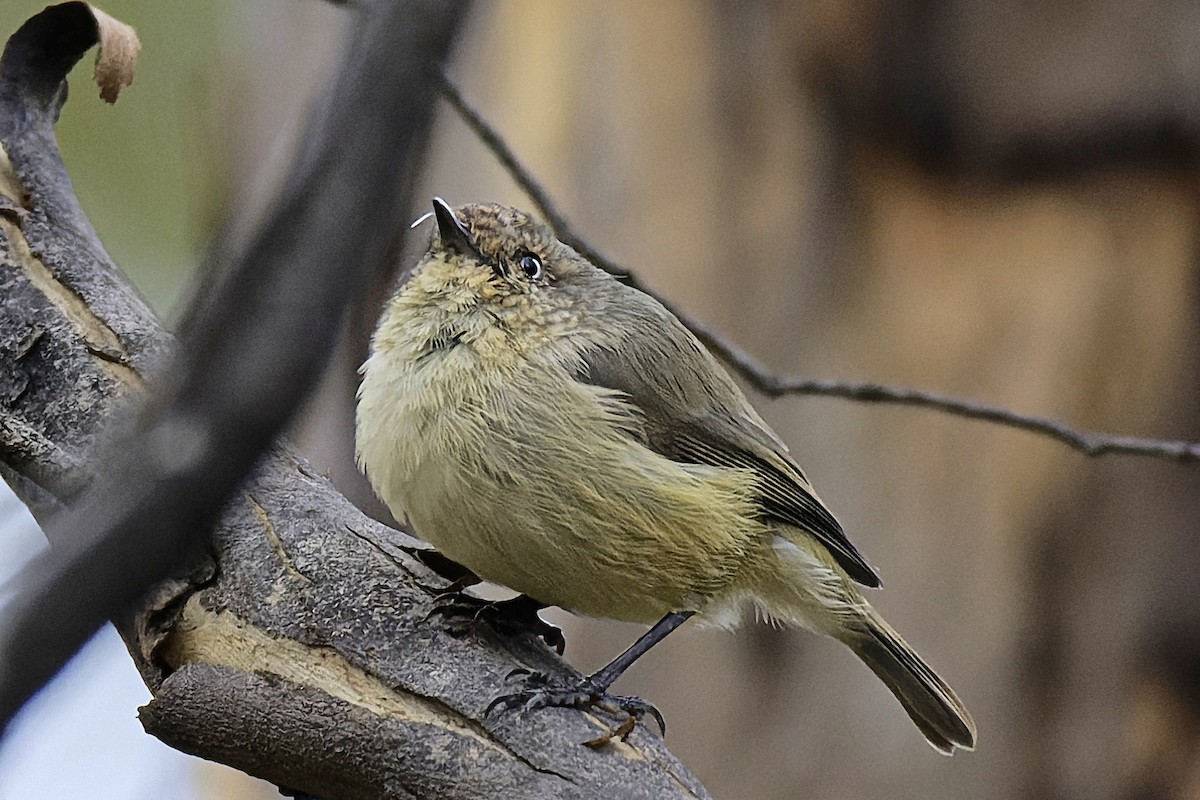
<point x="563" y="434"/>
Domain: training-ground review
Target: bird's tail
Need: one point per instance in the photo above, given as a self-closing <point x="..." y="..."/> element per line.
<point x="931" y="704"/>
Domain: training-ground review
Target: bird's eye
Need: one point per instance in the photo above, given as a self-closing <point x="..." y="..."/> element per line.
<point x="531" y="265"/>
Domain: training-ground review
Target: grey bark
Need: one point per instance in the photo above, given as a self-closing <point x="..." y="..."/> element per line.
<point x="254" y="339"/>
<point x="295" y="646"/>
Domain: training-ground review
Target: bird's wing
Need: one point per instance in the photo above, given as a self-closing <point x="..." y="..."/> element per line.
<point x="693" y="413"/>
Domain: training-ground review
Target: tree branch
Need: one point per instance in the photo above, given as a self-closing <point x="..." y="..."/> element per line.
<point x="765" y="381"/>
<point x="293" y="645"/>
<point x="252" y="344"/>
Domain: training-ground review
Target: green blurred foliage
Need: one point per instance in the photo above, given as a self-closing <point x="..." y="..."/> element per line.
<point x="149" y="170"/>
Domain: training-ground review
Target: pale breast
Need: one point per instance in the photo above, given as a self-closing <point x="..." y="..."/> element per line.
<point x="537" y="486"/>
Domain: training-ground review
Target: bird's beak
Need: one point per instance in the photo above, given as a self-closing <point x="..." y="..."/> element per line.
<point x="452" y="232"/>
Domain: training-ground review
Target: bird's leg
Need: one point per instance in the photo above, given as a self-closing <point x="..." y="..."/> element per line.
<point x="592" y="691"/>
<point x="462" y="612"/>
<point x="604" y="677"/>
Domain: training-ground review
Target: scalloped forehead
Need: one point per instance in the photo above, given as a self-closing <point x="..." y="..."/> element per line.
<point x="503" y="231"/>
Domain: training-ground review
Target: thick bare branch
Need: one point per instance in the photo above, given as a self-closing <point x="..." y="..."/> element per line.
<point x="253" y="343"/>
<point x="296" y="648"/>
<point x="765" y="381"/>
<point x="293" y="645"/>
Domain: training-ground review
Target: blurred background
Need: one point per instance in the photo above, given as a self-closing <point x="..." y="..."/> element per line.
<point x="994" y="200"/>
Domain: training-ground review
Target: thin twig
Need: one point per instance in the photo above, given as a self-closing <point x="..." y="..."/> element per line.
<point x="772" y="385"/>
<point x="1088" y="443"/>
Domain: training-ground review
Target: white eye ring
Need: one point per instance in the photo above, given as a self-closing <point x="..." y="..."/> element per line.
<point x="531" y="265"/>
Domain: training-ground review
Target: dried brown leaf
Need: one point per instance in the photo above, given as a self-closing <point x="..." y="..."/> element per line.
<point x="117" y="56"/>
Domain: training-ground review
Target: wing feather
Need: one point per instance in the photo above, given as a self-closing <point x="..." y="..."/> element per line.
<point x="695" y="414"/>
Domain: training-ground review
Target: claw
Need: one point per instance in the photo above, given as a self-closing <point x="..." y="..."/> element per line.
<point x="503" y="701"/>
<point x="539" y="693"/>
<point x="518" y="615"/>
<point x="635" y="707"/>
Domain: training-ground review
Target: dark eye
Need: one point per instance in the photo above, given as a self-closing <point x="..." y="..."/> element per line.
<point x="531" y="265"/>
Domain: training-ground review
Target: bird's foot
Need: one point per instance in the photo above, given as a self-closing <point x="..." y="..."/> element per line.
<point x="462" y="613"/>
<point x="459" y="576"/>
<point x="539" y="692"/>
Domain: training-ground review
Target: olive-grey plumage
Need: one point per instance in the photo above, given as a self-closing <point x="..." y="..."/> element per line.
<point x="716" y="426"/>
<point x="563" y="434"/>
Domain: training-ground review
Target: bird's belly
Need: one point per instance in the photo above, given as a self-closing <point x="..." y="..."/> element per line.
<point x="555" y="498"/>
<point x="593" y="522"/>
<point x="574" y="558"/>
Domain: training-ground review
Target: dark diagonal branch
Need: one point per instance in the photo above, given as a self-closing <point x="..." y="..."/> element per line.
<point x="296" y="645"/>
<point x="762" y="379"/>
<point x="252" y="345"/>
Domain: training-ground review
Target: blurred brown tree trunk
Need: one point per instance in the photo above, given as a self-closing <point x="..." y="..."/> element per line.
<point x="992" y="200"/>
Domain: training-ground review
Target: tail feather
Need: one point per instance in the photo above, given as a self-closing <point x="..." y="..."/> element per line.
<point x="931" y="704"/>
